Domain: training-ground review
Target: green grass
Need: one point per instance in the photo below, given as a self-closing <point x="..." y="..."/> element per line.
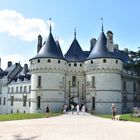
<point x="9" y="117"/>
<point x="125" y="117"/>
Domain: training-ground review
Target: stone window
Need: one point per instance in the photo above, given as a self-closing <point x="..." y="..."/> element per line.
<point x="75" y="64"/>
<point x="58" y="61"/>
<point x="69" y="64"/>
<point x="25" y="89"/>
<point x="124" y="85"/>
<point x="135" y="100"/>
<point x="91" y="61"/>
<point x="49" y="60"/>
<point x="20" y="88"/>
<point x="93" y="81"/>
<point x="116" y="61"/>
<point x="38" y="60"/>
<point x="134" y="87"/>
<point x="16" y="89"/>
<point x="38" y="101"/>
<point x="104" y="60"/>
<point x="24" y="100"/>
<point x="0" y="100"/>
<point x="73" y="81"/>
<point x="8" y="89"/>
<point x="29" y="89"/>
<point x="80" y="65"/>
<point x="12" y="100"/>
<point x="4" y="100"/>
<point x="39" y="81"/>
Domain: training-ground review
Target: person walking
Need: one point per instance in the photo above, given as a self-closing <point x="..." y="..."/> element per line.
<point x="113" y="109"/>
<point x="72" y="108"/>
<point x="77" y="109"/>
<point x="48" y="109"/>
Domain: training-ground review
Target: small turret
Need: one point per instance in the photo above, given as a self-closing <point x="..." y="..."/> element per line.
<point x="39" y="45"/>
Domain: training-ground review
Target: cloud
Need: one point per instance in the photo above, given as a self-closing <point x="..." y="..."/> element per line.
<point x="16" y="58"/>
<point x="15" y="24"/>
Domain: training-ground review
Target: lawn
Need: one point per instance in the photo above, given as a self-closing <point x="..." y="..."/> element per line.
<point x="9" y="117"/>
<point x="124" y="117"/>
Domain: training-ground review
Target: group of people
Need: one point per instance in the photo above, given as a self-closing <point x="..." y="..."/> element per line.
<point x="72" y="108"/>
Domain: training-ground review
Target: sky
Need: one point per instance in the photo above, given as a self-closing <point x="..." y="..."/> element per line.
<point x="21" y="21"/>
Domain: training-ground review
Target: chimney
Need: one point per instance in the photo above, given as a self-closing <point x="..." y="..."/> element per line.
<point x="25" y="68"/>
<point x="110" y="37"/>
<point x="92" y="43"/>
<point x="9" y="64"/>
<point x="39" y="45"/>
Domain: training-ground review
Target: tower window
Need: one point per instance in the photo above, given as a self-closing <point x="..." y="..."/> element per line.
<point x="69" y="64"/>
<point x="93" y="81"/>
<point x="58" y="61"/>
<point x="75" y="64"/>
<point x="24" y="100"/>
<point x="38" y="60"/>
<point x="104" y="60"/>
<point x="74" y="81"/>
<point x="49" y="60"/>
<point x="91" y="61"/>
<point x="38" y="101"/>
<point x="116" y="61"/>
<point x="39" y="81"/>
<point x="80" y="65"/>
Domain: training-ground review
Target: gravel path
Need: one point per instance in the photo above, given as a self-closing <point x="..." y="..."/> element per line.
<point x="69" y="127"/>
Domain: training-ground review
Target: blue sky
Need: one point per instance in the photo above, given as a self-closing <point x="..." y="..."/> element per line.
<point x="22" y="20"/>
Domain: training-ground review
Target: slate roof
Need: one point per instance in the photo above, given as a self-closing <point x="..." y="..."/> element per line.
<point x="49" y="50"/>
<point x="75" y="53"/>
<point x="59" y="48"/>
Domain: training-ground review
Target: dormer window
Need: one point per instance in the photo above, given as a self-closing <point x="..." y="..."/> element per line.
<point x="49" y="60"/>
<point x="104" y="60"/>
<point x="38" y="60"/>
<point x="75" y="64"/>
<point x="59" y="61"/>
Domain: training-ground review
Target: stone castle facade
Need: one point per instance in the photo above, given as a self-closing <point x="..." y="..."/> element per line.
<point x="95" y="78"/>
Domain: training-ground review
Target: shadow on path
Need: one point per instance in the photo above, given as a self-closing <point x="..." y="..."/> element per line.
<point x="19" y="137"/>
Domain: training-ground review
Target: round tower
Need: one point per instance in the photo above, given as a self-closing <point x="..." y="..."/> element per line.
<point x="48" y="78"/>
<point x="103" y="78"/>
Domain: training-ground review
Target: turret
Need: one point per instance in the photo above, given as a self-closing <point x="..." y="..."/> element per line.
<point x="39" y="45"/>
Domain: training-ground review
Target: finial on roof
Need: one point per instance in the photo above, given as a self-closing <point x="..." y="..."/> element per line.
<point x="102" y="25"/>
<point x="75" y="33"/>
<point x="50" y="25"/>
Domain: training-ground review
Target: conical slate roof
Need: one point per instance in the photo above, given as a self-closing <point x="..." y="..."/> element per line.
<point x="75" y="53"/>
<point x="50" y="49"/>
<point x="100" y="50"/>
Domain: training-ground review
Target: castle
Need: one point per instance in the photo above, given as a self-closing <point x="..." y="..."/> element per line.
<point x="95" y="78"/>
